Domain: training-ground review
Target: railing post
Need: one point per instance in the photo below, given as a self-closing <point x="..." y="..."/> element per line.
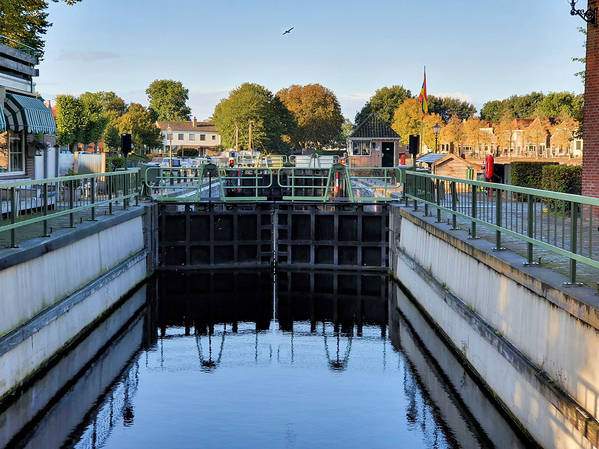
<point x="426" y="184"/>
<point x="454" y="205"/>
<point x="93" y="197"/>
<point x="45" y="193"/>
<point x="438" y="201"/>
<point x="473" y="228"/>
<point x="404" y="178"/>
<point x="125" y="191"/>
<point x="415" y="193"/>
<point x="71" y="203"/>
<point x="530" y="228"/>
<point x="573" y="245"/>
<point x="137" y="189"/>
<point x="498" y="199"/>
<point x="13" y="216"/>
<point x="109" y="186"/>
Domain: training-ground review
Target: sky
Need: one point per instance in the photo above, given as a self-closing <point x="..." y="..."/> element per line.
<point x="473" y="50"/>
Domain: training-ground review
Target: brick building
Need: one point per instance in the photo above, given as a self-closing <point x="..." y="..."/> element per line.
<point x="590" y="157"/>
<point x="373" y="143"/>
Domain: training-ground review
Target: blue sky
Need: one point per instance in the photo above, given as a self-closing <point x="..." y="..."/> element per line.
<point x="475" y="50"/>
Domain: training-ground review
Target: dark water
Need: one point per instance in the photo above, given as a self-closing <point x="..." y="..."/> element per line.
<point x="228" y="360"/>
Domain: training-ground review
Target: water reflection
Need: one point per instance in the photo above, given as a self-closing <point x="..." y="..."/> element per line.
<point x="310" y="360"/>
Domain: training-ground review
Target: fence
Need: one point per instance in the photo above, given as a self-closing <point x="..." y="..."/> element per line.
<point x="31" y="209"/>
<point x="561" y="224"/>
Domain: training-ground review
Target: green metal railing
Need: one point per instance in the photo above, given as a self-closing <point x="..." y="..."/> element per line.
<point x="559" y="223"/>
<point x="381" y="182"/>
<point x="23" y="47"/>
<point x="35" y="208"/>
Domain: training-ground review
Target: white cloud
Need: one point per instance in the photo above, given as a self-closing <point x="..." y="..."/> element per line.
<point x="87" y="56"/>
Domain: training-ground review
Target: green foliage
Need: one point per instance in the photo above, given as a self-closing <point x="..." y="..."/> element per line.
<point x="112" y="163"/>
<point x="69" y="120"/>
<point x="561" y="104"/>
<point x="93" y="121"/>
<point x="564" y="179"/>
<point x="528" y="174"/>
<point x="384" y="102"/>
<point x="254" y="103"/>
<point x="168" y="100"/>
<point x="187" y="152"/>
<point x="112" y="137"/>
<point x="516" y="106"/>
<point x="26" y="21"/>
<point x="316" y="111"/>
<point x="138" y="123"/>
<point x="346" y="129"/>
<point x="447" y="107"/>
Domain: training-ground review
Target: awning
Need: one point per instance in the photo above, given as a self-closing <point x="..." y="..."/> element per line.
<point x="2" y="120"/>
<point x="29" y="114"/>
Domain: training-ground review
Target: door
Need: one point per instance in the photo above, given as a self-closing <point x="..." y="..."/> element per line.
<point x="388" y="154"/>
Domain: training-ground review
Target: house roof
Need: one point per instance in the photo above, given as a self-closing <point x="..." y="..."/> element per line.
<point x="522" y="123"/>
<point x="187" y="126"/>
<point x="374" y="127"/>
<point x="447" y="158"/>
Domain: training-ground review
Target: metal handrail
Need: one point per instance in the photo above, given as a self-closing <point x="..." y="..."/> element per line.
<point x="560" y="223"/>
<point x="29" y="50"/>
<point x="23" y="203"/>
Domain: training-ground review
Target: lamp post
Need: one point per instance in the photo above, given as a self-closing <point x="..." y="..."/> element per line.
<point x="436" y="130"/>
<point x="169" y="137"/>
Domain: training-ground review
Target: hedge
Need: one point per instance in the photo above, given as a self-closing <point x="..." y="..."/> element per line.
<point x="112" y="163"/>
<point x="564" y="179"/>
<point x="528" y="174"/>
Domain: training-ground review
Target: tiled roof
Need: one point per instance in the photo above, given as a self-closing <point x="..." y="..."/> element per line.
<point x="522" y="123"/>
<point x="188" y="126"/>
<point x="374" y="128"/>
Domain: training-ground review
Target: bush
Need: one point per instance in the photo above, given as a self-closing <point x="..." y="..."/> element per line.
<point x="528" y="174"/>
<point x="188" y="152"/>
<point x="564" y="179"/>
<point x="112" y="163"/>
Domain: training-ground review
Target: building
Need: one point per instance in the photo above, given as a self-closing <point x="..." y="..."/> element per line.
<point x="190" y="135"/>
<point x="373" y="143"/>
<point x="27" y="126"/>
<point x="449" y="165"/>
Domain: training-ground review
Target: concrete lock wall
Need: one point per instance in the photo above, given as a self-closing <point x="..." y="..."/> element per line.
<point x="531" y="344"/>
<point x="55" y="295"/>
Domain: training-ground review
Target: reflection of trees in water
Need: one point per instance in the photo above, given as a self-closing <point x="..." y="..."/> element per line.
<point x="117" y="404"/>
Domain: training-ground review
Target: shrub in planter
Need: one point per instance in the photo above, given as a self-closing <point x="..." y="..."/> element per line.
<point x="564" y="179"/>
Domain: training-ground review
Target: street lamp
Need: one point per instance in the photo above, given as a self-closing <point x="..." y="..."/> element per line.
<point x="436" y="130"/>
<point x="589" y="16"/>
<point x="169" y="137"/>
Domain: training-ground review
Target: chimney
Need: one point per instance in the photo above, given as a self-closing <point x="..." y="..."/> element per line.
<point x="195" y="122"/>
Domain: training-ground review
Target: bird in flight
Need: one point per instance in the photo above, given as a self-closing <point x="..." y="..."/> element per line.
<point x="288" y="31"/>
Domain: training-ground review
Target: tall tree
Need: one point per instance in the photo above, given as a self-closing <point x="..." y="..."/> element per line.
<point x="407" y="119"/>
<point x="474" y="135"/>
<point x="384" y="103"/>
<point x="504" y="132"/>
<point x="561" y="104"/>
<point x="26" y="21"/>
<point x="537" y="133"/>
<point x="168" y="100"/>
<point x="316" y="111"/>
<point x="517" y="106"/>
<point x="69" y="120"/>
<point x="137" y="122"/>
<point x="446" y="107"/>
<point x="252" y="103"/>
<point x="94" y="119"/>
<point x="563" y="133"/>
<point x="453" y="133"/>
<point x="492" y="111"/>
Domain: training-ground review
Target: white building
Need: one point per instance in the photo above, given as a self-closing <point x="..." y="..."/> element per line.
<point x="201" y="136"/>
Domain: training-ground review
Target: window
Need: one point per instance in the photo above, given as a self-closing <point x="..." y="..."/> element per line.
<point x="181" y="136"/>
<point x="192" y="136"/>
<point x="12" y="153"/>
<point x="202" y="136"/>
<point x="213" y="137"/>
<point x="361" y="148"/>
<point x="578" y="145"/>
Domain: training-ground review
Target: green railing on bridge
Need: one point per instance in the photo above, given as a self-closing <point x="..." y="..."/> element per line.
<point x="37" y="207"/>
<point x="560" y="223"/>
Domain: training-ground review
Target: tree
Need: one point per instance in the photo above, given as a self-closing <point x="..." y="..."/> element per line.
<point x="407" y="119"/>
<point x="168" y="100"/>
<point x="69" y="120"/>
<point x="252" y="103"/>
<point x="492" y="111"/>
<point x="26" y="21"/>
<point x="384" y="103"/>
<point x="137" y="122"/>
<point x="517" y="106"/>
<point x="446" y="107"/>
<point x="537" y="133"/>
<point x="563" y="132"/>
<point x="94" y="120"/>
<point x="561" y="104"/>
<point x="112" y="137"/>
<point x="453" y="133"/>
<point x="504" y="131"/>
<point x="474" y="136"/>
<point x="316" y="111"/>
<point x="346" y="129"/>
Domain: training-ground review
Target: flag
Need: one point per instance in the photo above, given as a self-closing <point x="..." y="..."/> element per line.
<point x="423" y="98"/>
